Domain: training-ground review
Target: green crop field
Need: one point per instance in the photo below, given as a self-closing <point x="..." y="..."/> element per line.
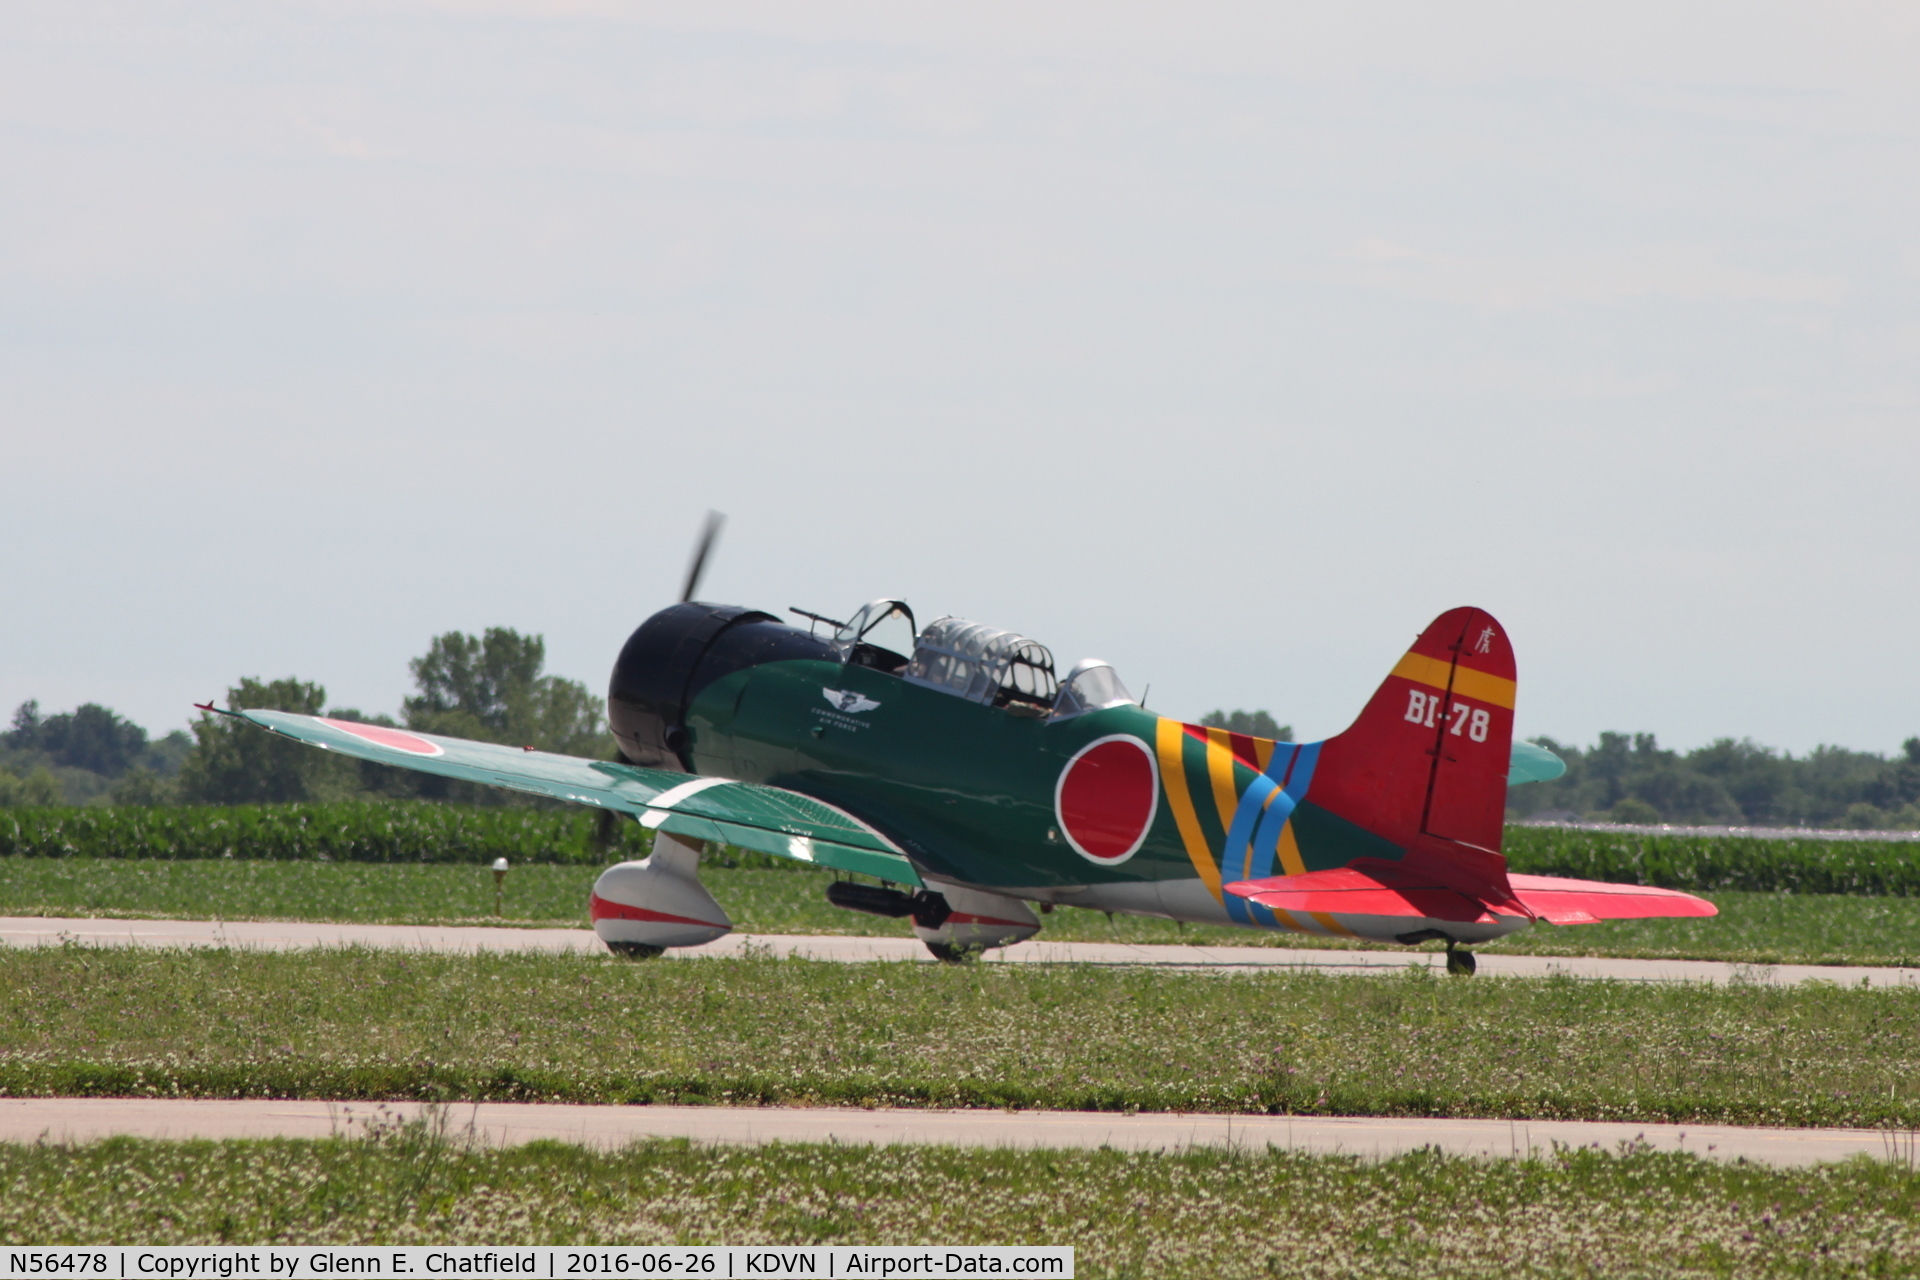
<point x="344" y="831"/>
<point x="1679" y="859"/>
<point x="364" y="1024"/>
<point x="418" y="831"/>
<point x="1757" y="928"/>
<point x="1200" y="1214"/>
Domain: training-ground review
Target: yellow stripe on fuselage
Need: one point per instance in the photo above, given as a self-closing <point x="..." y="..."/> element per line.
<point x="1330" y="924"/>
<point x="1220" y="774"/>
<point x="1290" y="860"/>
<point x="1286" y="921"/>
<point x="1467" y="682"/>
<point x="1170" y="738"/>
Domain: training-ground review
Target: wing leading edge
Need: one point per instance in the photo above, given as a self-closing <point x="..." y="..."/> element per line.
<point x="745" y="814"/>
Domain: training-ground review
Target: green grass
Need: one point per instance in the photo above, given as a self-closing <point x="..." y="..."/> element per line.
<point x="1753" y="928"/>
<point x="355" y="892"/>
<point x="1680" y="860"/>
<point x="360" y="1024"/>
<point x="1201" y="1214"/>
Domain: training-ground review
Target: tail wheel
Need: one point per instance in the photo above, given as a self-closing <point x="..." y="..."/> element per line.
<point x="1460" y="963"/>
<point x="947" y="953"/>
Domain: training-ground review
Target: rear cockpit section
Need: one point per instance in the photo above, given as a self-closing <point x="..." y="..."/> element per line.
<point x="984" y="664"/>
<point x="1092" y="685"/>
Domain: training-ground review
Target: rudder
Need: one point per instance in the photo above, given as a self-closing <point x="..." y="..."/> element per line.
<point x="1427" y="759"/>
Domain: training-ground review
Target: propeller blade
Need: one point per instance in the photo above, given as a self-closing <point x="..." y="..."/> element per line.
<point x="708" y="536"/>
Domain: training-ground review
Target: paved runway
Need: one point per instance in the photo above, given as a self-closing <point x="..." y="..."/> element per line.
<point x="506" y="1124"/>
<point x="280" y="936"/>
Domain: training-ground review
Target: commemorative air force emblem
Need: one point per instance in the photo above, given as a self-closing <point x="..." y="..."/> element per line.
<point x="847" y="700"/>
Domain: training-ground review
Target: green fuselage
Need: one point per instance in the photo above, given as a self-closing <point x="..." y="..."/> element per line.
<point x="965" y="789"/>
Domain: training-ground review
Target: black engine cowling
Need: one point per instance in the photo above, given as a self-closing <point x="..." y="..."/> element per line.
<point x="675" y="654"/>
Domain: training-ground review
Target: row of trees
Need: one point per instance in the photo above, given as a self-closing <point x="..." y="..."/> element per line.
<point x="1256" y="724"/>
<point x="494" y="687"/>
<point x="1631" y="778"/>
<point x="491" y="687"/>
<point x="83" y="755"/>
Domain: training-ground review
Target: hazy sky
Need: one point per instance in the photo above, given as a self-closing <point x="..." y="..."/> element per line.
<point x="1230" y="343"/>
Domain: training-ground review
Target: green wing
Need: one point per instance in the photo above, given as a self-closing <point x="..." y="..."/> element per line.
<point x="746" y="814"/>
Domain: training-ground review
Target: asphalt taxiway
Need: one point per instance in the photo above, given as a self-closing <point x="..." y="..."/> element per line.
<point x="29" y="931"/>
<point x="509" y="1124"/>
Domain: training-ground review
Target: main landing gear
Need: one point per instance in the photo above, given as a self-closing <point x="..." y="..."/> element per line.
<point x="955" y="923"/>
<point x="1459" y="963"/>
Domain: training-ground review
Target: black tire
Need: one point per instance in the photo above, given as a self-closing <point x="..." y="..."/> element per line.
<point x="636" y="950"/>
<point x="1461" y="964"/>
<point x="947" y="953"/>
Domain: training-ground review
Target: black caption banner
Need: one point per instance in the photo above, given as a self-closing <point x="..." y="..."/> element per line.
<point x="540" y="1262"/>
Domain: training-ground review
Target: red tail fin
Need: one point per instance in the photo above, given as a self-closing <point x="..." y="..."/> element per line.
<point x="1426" y="763"/>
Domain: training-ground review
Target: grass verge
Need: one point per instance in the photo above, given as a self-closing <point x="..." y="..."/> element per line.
<point x="1753" y="928"/>
<point x="354" y="1024"/>
<point x="1194" y="1214"/>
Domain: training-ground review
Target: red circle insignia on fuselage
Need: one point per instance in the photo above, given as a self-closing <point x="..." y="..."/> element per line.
<point x="381" y="736"/>
<point x="1106" y="798"/>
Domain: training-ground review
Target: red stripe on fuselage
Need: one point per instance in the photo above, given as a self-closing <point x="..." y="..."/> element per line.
<point x="601" y="909"/>
<point x="1239" y="745"/>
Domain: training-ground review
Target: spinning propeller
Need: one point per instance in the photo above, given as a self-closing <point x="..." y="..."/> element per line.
<point x="708" y="536"/>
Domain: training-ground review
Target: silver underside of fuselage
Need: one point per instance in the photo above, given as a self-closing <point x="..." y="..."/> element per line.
<point x="1190" y="901"/>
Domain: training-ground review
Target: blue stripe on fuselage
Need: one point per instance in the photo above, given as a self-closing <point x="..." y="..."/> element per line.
<point x="1253" y="837"/>
<point x="1297" y="778"/>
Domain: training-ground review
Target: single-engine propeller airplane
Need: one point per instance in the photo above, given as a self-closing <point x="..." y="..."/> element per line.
<point x="956" y="768"/>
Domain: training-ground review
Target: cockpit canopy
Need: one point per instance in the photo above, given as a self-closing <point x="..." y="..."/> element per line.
<point x="1090" y="686"/>
<point x="878" y="636"/>
<point x="971" y="660"/>
<point x="983" y="664"/>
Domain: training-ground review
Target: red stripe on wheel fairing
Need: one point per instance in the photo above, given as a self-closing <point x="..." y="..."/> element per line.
<point x="601" y="909"/>
<point x="961" y="917"/>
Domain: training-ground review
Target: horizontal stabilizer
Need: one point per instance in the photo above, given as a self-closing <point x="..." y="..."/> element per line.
<point x="1528" y="763"/>
<point x="1375" y="892"/>
<point x="1383" y="891"/>
<point x="1559" y="901"/>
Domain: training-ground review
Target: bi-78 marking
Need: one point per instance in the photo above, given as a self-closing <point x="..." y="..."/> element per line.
<point x="1424" y="709"/>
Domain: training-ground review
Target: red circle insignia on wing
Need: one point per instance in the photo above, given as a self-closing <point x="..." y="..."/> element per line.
<point x="393" y="739"/>
<point x="1106" y="798"/>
